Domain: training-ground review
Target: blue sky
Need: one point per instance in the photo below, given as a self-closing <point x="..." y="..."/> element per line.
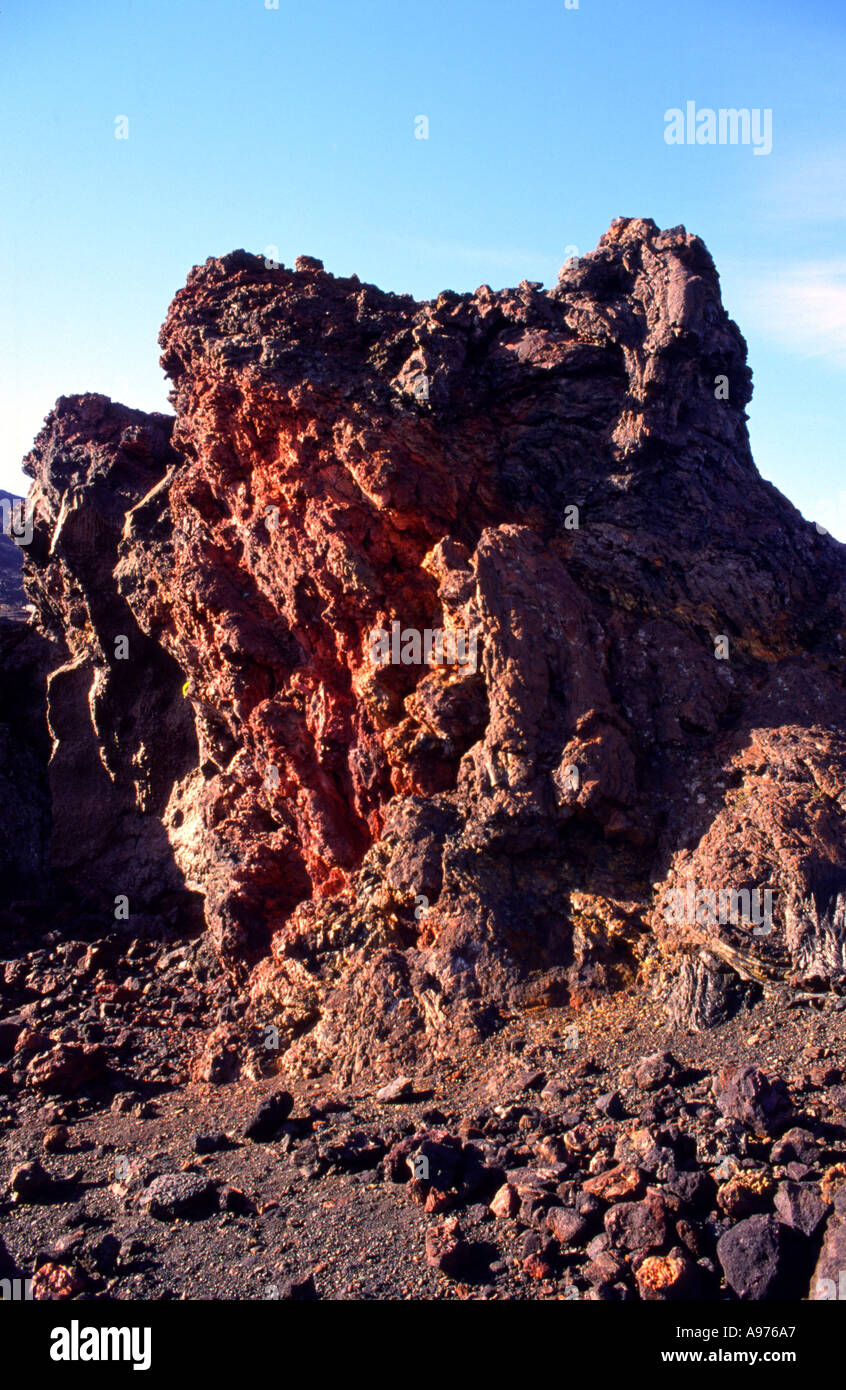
<point x="294" y="128"/>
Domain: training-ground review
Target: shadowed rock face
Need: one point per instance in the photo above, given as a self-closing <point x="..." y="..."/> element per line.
<point x="121" y="735"/>
<point x="25" y="662"/>
<point x="395" y="856"/>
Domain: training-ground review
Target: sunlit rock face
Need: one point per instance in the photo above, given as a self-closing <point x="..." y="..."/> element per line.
<point x="467" y="639"/>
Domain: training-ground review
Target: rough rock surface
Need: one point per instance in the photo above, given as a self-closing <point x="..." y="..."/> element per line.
<point x="121" y="735"/>
<point x="396" y="858"/>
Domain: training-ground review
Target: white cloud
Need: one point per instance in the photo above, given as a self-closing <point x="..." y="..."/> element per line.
<point x="802" y="307"/>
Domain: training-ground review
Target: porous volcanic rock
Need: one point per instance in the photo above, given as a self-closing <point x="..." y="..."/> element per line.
<point x="395" y="857"/>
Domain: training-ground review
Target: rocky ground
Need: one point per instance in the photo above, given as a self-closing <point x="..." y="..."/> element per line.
<point x="574" y="1155"/>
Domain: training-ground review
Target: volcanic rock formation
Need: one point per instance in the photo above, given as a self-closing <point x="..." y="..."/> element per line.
<point x="393" y="857"/>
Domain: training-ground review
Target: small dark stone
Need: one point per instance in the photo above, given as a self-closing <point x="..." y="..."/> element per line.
<point x="611" y="1104"/>
<point x="695" y="1189"/>
<point x="268" y="1117"/>
<point x="568" y="1227"/>
<point x="299" y="1290"/>
<point x="29" y="1181"/>
<point x="800" y="1207"/>
<point x="105" y="1253"/>
<point x="355" y="1152"/>
<point x="530" y="1079"/>
<point x="210" y="1143"/>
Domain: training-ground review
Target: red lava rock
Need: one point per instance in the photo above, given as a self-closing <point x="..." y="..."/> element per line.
<point x="446" y="1248"/>
<point x="826" y="1075"/>
<point x="437" y="1202"/>
<point x="56" y="1139"/>
<point x="55" y="1281"/>
<point x="393" y="1092"/>
<point x="67" y="1067"/>
<point x="418" y="1191"/>
<point x="604" y="1269"/>
<point x="537" y="1267"/>
<point x="616" y="1184"/>
<point x="219" y="1062"/>
<point x="638" y="1225"/>
<point x="666" y="1278"/>
<point x="506" y="1202"/>
<point x="11" y="1029"/>
<point x="30" y="1040"/>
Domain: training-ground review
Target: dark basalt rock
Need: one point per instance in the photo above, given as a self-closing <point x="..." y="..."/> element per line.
<point x="762" y="1259"/>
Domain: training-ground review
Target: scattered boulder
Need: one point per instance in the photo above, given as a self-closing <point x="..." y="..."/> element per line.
<point x="800" y="1206"/>
<point x="67" y="1067"/>
<point x="638" y="1225"/>
<point x="354" y="1152"/>
<point x="56" y="1282"/>
<point x="655" y="1071"/>
<point x="211" y="1143"/>
<point x="747" y="1094"/>
<point x="828" y="1281"/>
<point x="179" y="1196"/>
<point x="761" y="1258"/>
<point x="622" y="1182"/>
<point x="667" y="1278"/>
<point x="400" y="1089"/>
<point x="568" y="1226"/>
<point x="268" y="1117"/>
<point x="55" y="1139"/>
<point x="30" y="1182"/>
<point x="506" y="1202"/>
<point x="745" y="1193"/>
<point x="795" y="1146"/>
<point x="301" y="1290"/>
<point x="446" y="1248"/>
